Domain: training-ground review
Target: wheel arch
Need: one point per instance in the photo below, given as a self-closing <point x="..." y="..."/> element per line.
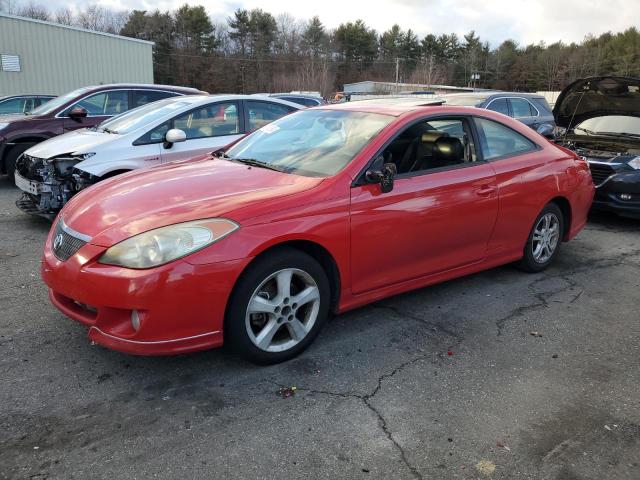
<point x="315" y="250"/>
<point x="26" y="139"/>
<point x="565" y="207"/>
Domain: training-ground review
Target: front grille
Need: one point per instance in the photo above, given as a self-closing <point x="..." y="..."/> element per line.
<point x="600" y="172"/>
<point x="64" y="243"/>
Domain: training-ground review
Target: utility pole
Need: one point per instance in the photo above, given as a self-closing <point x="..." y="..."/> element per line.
<point x="397" y="73"/>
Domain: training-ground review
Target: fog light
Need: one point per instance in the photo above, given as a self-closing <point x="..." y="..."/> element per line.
<point x="135" y="320"/>
<point x="625" y="196"/>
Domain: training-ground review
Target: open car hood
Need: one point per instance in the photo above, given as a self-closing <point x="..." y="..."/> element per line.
<point x="596" y="97"/>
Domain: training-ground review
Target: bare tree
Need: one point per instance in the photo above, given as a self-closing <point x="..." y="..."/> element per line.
<point x="64" y="16"/>
<point x="35" y="11"/>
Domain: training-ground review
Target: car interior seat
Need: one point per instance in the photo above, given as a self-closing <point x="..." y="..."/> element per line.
<point x="447" y="151"/>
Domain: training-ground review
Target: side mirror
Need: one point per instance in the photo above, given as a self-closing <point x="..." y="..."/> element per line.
<point x="77" y="114"/>
<point x="546" y="130"/>
<point x="384" y="177"/>
<point x="175" y="135"/>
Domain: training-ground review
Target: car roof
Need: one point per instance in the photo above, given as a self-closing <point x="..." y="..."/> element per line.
<point x="380" y="106"/>
<point x="4" y="97"/>
<point x="152" y="86"/>
<point x="484" y="95"/>
<point x="195" y="100"/>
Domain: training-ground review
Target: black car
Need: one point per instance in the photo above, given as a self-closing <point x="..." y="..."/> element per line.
<point x="529" y="108"/>
<point x="601" y="118"/>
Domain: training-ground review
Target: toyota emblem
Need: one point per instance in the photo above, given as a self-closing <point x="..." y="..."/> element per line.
<point x="57" y="242"/>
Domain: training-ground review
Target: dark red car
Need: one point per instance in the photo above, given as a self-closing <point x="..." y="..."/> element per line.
<point x="324" y="210"/>
<point x="84" y="107"/>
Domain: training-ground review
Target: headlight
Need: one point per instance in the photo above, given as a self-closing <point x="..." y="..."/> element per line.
<point x="3" y="125"/>
<point x="163" y="245"/>
<point x="635" y="163"/>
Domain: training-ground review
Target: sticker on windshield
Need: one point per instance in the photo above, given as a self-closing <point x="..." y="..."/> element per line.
<point x="270" y="128"/>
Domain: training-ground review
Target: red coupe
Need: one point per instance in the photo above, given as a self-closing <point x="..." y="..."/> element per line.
<point x="321" y="211"/>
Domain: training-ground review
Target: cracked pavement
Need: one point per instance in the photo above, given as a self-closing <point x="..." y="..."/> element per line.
<point x="535" y="374"/>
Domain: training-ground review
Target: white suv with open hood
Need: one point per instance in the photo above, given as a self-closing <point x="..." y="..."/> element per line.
<point x="176" y="128"/>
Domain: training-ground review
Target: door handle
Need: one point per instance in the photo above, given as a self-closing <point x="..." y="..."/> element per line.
<point x="486" y="190"/>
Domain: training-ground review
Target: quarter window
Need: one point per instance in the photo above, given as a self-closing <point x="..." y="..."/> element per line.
<point x="262" y="113"/>
<point x="522" y="108"/>
<point x="497" y="140"/>
<point x="214" y="120"/>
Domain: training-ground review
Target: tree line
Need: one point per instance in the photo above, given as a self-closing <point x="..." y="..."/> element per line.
<point x="255" y="51"/>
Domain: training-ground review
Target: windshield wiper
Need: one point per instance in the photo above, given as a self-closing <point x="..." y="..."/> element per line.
<point x="252" y="162"/>
<point x="107" y="130"/>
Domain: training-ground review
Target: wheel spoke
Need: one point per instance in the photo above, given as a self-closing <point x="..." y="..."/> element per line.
<point x="307" y="295"/>
<point x="264" y="338"/>
<point x="261" y="305"/>
<point x="283" y="280"/>
<point x="297" y="330"/>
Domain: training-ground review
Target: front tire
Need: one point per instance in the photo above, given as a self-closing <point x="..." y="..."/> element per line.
<point x="278" y="307"/>
<point x="12" y="158"/>
<point x="544" y="240"/>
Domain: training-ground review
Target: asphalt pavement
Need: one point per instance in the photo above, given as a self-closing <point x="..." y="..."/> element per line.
<point x="502" y="375"/>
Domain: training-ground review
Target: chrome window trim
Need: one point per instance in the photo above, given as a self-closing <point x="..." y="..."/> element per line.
<point x="74" y="233"/>
<point x="519" y="98"/>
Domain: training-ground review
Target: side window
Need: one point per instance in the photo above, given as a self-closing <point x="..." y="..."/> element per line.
<point x="262" y="113"/>
<point x="12" y="105"/>
<point x="213" y="120"/>
<point x="522" y="108"/>
<point x="499" y="105"/>
<point x="29" y="104"/>
<point x="154" y="136"/>
<point x="103" y="103"/>
<point x="430" y="145"/>
<point x="142" y="97"/>
<point x="497" y="140"/>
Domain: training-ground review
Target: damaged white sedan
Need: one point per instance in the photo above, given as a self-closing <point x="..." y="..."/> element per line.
<point x="177" y="128"/>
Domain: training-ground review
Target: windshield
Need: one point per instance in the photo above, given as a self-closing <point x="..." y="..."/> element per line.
<point x="613" y="124"/>
<point x="141" y="116"/>
<point x="464" y="100"/>
<point x="315" y="143"/>
<point x="57" y="102"/>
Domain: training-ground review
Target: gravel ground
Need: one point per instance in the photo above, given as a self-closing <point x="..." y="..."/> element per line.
<point x="501" y="375"/>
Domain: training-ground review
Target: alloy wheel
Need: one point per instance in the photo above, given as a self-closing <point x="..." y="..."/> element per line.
<point x="282" y="310"/>
<point x="546" y="236"/>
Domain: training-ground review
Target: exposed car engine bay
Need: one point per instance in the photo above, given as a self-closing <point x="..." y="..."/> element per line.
<point x="52" y="183"/>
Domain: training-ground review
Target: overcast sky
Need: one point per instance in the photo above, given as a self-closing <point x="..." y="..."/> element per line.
<point x="525" y="21"/>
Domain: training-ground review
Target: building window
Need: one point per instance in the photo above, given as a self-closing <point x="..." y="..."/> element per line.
<point x="10" y="63"/>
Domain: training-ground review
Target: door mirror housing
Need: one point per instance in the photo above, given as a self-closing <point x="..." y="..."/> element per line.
<point x="385" y="176"/>
<point x="175" y="135"/>
<point x="78" y="113"/>
<point x="546" y="130"/>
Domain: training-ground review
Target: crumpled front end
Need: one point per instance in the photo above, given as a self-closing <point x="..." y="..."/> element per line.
<point x="48" y="184"/>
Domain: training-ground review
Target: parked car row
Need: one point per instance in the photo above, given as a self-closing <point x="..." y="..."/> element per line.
<point x="175" y="128"/>
<point x="259" y="217"/>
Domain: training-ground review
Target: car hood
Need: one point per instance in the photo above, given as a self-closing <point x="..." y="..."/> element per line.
<point x="71" y="143"/>
<point x="205" y="187"/>
<point x="597" y="97"/>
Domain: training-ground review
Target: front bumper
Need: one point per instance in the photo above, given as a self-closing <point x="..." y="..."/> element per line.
<point x="180" y="306"/>
<point x="620" y="193"/>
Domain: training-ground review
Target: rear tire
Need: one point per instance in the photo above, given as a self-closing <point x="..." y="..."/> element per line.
<point x="11" y="159"/>
<point x="277" y="307"/>
<point x="544" y="240"/>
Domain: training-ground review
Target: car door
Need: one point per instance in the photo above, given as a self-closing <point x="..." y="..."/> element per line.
<point x="434" y="219"/>
<point x="207" y="128"/>
<point x="99" y="107"/>
<point x="523" y="111"/>
<point x="261" y="112"/>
